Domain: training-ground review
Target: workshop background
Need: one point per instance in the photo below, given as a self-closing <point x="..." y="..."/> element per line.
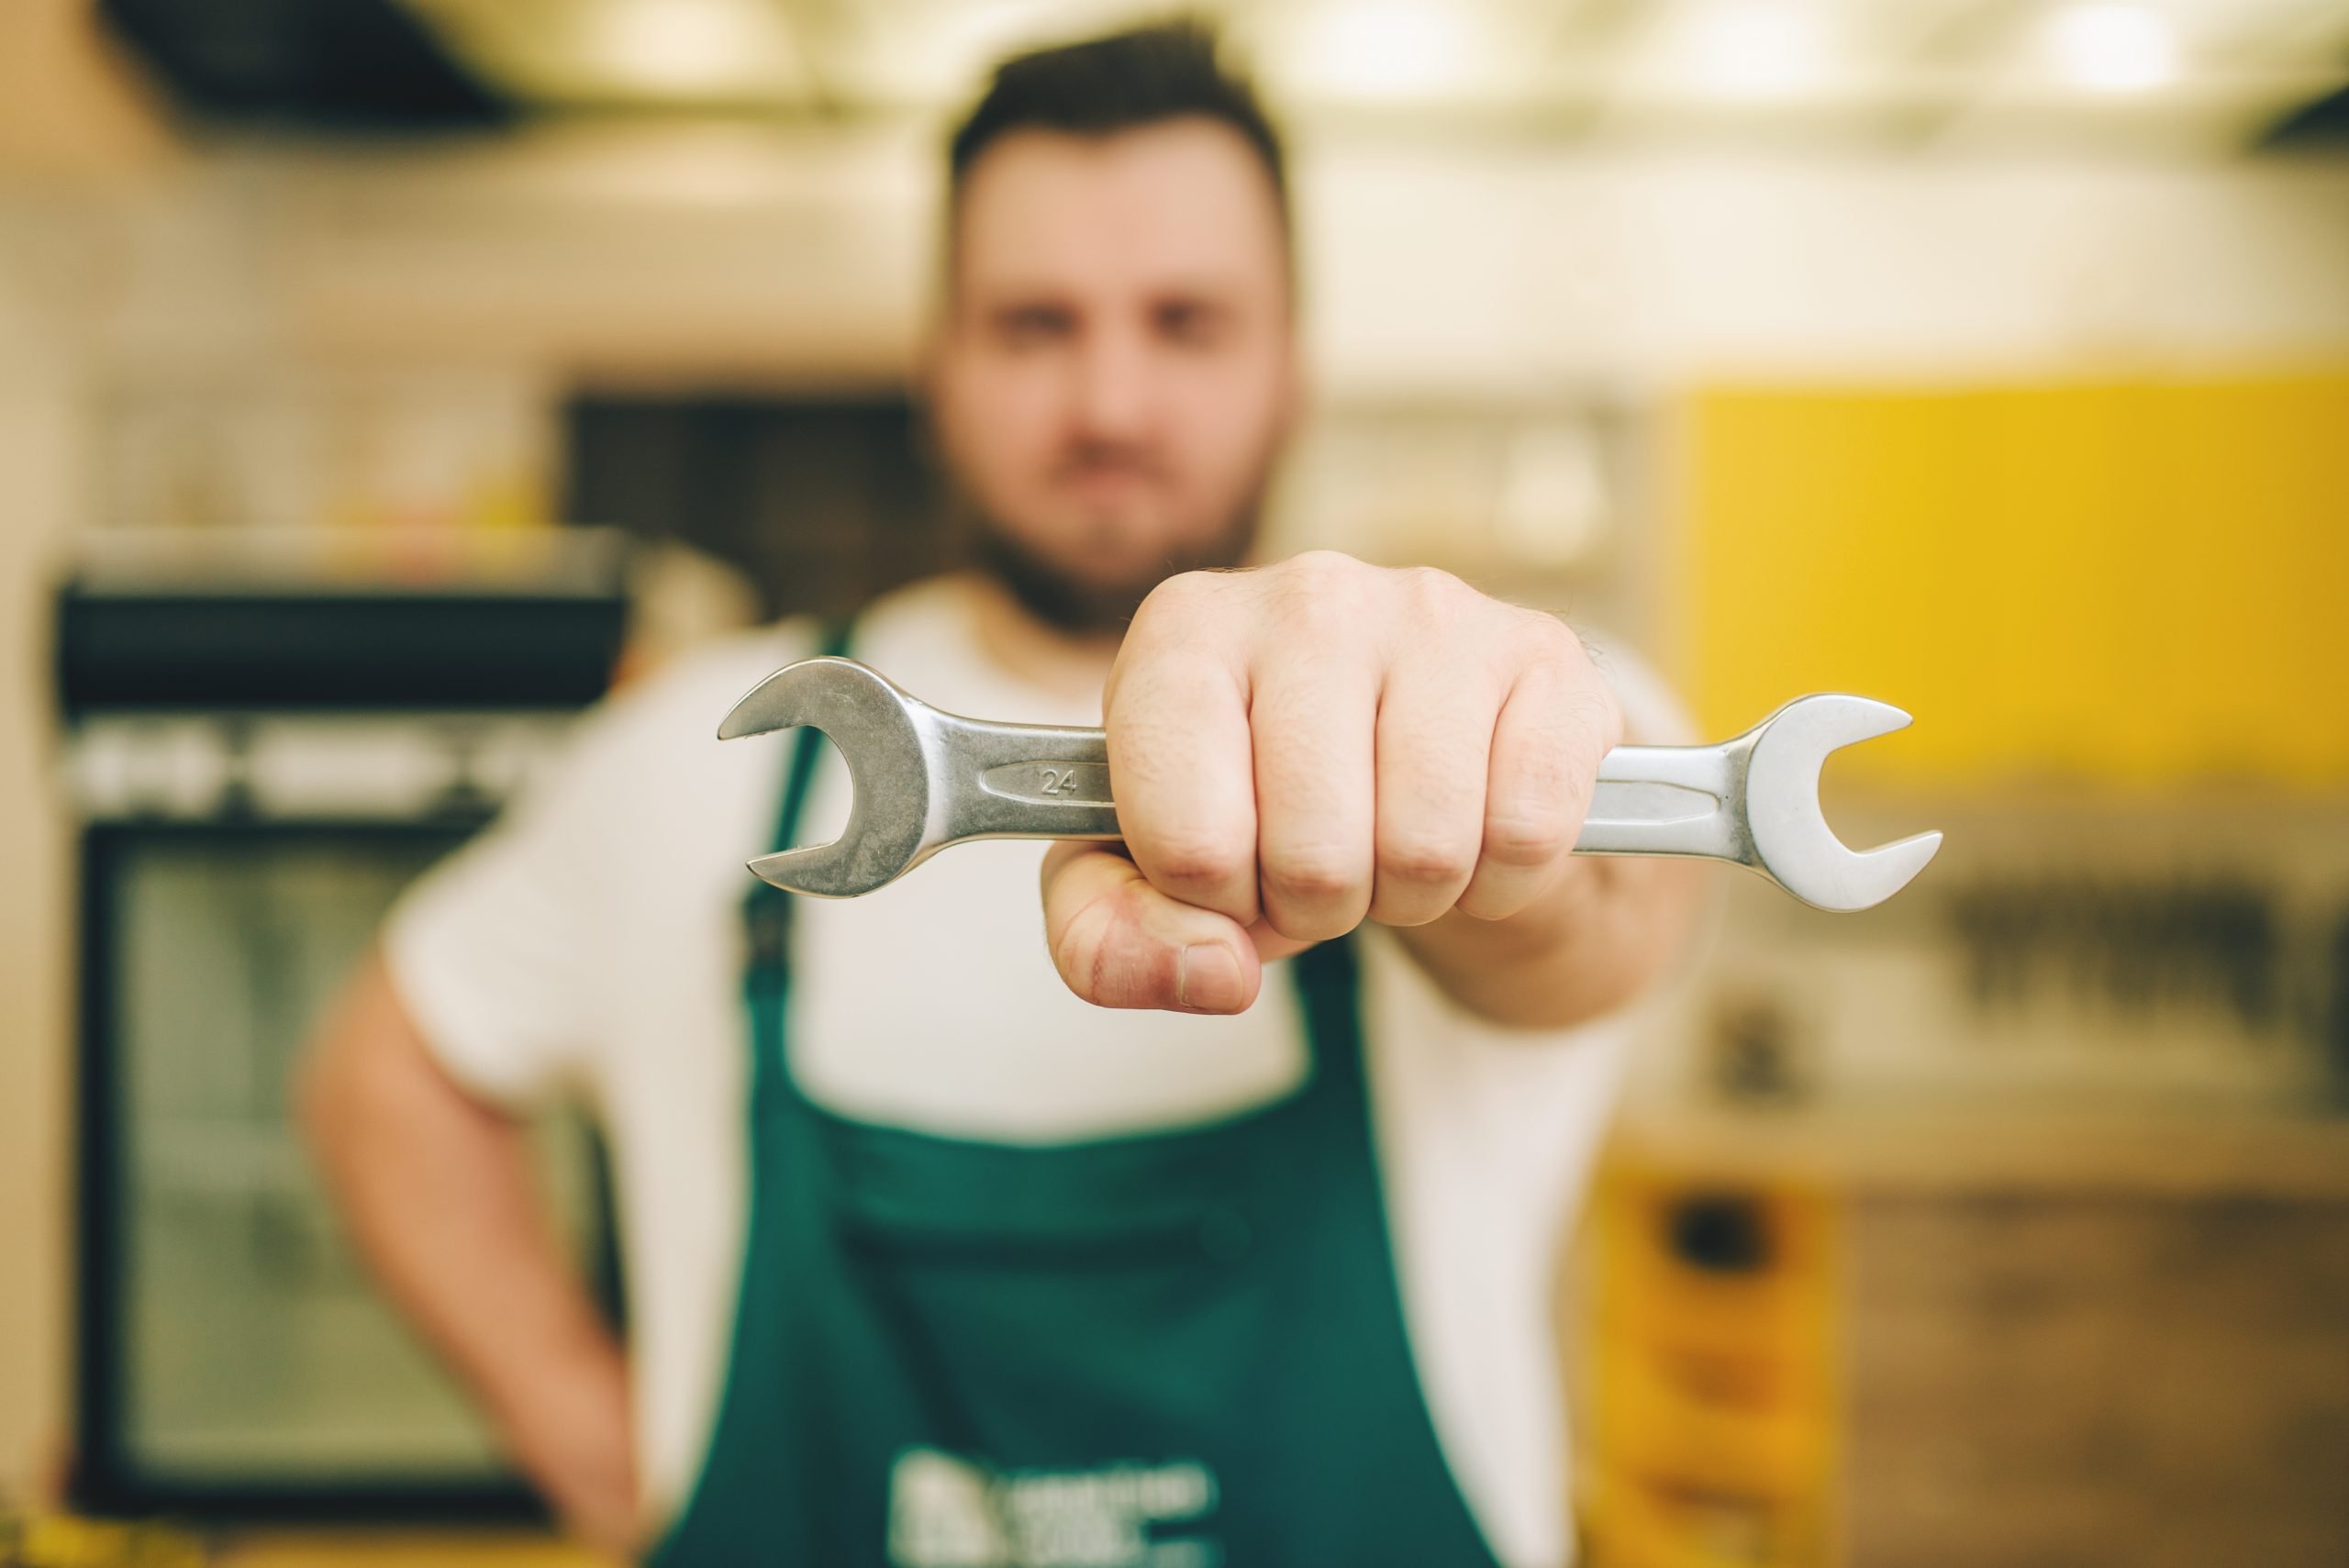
<point x="1988" y="356"/>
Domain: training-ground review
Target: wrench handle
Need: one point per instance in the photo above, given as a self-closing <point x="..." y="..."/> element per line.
<point x="1669" y="800"/>
<point x="1030" y="780"/>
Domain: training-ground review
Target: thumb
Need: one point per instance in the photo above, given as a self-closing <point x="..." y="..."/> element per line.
<point x="1120" y="942"/>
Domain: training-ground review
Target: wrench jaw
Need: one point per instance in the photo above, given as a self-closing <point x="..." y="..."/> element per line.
<point x="1792" y="843"/>
<point x="876" y="729"/>
<point x="834" y="870"/>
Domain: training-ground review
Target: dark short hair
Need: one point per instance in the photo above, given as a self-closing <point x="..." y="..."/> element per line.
<point x="1123" y="81"/>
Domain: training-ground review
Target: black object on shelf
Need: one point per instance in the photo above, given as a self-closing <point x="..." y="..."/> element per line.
<point x="177" y="628"/>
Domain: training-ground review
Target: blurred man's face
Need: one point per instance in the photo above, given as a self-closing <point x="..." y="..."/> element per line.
<point x="1116" y="369"/>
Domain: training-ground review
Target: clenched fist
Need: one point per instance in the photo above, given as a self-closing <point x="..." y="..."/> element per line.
<point x="1305" y="746"/>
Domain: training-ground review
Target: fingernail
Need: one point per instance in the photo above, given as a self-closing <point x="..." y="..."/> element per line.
<point x="1206" y="979"/>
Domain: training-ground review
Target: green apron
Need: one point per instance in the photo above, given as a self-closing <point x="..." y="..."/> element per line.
<point x="1167" y="1351"/>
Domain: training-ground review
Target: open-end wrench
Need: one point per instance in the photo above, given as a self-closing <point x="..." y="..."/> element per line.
<point x="925" y="779"/>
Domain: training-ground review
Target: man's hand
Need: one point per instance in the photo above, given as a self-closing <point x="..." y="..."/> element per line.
<point x="568" y="1429"/>
<point x="1306" y="746"/>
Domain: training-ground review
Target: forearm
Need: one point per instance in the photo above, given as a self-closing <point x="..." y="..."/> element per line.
<point x="1593" y="943"/>
<point x="436" y="1190"/>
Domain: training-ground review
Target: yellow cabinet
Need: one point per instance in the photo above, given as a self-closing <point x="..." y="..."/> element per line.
<point x="1709" y="1373"/>
<point x="2132" y="583"/>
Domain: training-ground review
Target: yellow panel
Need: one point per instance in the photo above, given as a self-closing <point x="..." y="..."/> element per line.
<point x="1711" y="1390"/>
<point x="2134" y="583"/>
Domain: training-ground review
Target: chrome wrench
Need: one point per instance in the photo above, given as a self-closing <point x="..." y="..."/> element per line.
<point x="925" y="779"/>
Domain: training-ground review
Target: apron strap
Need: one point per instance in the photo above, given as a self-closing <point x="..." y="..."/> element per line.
<point x="1327" y="977"/>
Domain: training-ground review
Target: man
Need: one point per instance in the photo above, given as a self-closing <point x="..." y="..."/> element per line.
<point x="930" y="1262"/>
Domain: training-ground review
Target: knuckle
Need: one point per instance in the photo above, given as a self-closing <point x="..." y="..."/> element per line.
<point x="1525" y="838"/>
<point x="1183" y="590"/>
<point x="1592" y="712"/>
<point x="1312" y="876"/>
<point x="1430" y="585"/>
<point x="1424" y="859"/>
<point x="1195" y="859"/>
<point x="1545" y="778"/>
<point x="1550" y="640"/>
<point x="1321" y="588"/>
<point x="1593" y="721"/>
<point x="1578" y="720"/>
<point x="1083" y="947"/>
<point x="1323" y="566"/>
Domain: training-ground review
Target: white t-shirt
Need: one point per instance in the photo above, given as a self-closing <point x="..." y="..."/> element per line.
<point x="588" y="945"/>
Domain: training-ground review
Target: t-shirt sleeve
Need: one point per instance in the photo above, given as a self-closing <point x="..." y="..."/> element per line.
<point x="499" y="953"/>
<point x="505" y="953"/>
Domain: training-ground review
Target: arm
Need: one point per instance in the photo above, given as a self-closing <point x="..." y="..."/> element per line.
<point x="436" y="1191"/>
<point x="1306" y="746"/>
<point x="1597" y="942"/>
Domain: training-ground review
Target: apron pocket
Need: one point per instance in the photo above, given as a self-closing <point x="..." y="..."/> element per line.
<point x="948" y="1203"/>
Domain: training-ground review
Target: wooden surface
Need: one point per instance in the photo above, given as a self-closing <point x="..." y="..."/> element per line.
<point x="2043" y="1380"/>
<point x="1923" y="1149"/>
<point x="2063" y="1342"/>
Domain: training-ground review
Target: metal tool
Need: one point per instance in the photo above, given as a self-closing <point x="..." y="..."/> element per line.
<point x="925" y="779"/>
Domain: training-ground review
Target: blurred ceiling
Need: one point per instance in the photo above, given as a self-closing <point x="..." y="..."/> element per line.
<point x="2184" y="75"/>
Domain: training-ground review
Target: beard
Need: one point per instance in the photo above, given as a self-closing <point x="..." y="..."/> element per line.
<point x="1081" y="603"/>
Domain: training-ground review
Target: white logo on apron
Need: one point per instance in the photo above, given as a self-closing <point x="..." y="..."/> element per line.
<point x="946" y="1512"/>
